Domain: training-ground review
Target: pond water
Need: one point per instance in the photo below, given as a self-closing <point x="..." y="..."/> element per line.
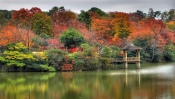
<point x="157" y="82"/>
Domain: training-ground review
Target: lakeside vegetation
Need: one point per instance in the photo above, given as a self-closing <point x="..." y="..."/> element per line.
<point x="33" y="40"/>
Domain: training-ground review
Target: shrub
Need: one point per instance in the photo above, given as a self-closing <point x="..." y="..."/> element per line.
<point x="2" y="59"/>
<point x="15" y="58"/>
<point x="78" y="64"/>
<point x="115" y="51"/>
<point x="158" y="58"/>
<point x="55" y="58"/>
<point x="106" y="52"/>
<point x="83" y="62"/>
<point x="16" y="47"/>
<point x="39" y="42"/>
<point x="90" y="64"/>
<point x="40" y="67"/>
<point x="105" y="63"/>
<point x="47" y="68"/>
<point x="169" y="53"/>
<point x="88" y="51"/>
<point x="78" y="60"/>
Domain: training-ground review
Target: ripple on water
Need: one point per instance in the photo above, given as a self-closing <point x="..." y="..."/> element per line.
<point x="162" y="70"/>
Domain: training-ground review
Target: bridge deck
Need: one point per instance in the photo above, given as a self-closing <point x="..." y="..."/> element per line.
<point x="129" y="59"/>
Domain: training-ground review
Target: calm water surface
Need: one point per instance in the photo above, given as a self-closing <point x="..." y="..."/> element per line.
<point x="156" y="82"/>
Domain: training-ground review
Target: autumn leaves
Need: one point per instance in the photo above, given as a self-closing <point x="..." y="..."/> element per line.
<point x="97" y="26"/>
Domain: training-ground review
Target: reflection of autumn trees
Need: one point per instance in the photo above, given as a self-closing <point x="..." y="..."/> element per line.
<point x="172" y="89"/>
<point x="23" y="85"/>
<point x="91" y="85"/>
<point x="101" y="87"/>
<point x="151" y="88"/>
<point x="67" y="75"/>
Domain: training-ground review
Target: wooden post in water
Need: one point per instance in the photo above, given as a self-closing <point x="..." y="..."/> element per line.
<point x="125" y="59"/>
<point x="126" y="78"/>
<point x="138" y="56"/>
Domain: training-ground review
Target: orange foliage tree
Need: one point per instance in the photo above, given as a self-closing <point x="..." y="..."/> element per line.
<point x="102" y="29"/>
<point x="11" y="34"/>
<point x="112" y="30"/>
<point x="63" y="17"/>
<point x="122" y="25"/>
<point x="169" y="36"/>
<point x="152" y="30"/>
<point x="62" y="20"/>
<point x="23" y="18"/>
<point x="156" y="28"/>
<point x="171" y="25"/>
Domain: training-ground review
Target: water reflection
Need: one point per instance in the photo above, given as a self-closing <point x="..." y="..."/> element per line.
<point x="151" y="83"/>
<point x="126" y="72"/>
<point x="23" y="85"/>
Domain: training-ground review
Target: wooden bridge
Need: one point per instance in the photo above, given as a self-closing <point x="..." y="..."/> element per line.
<point x="121" y="60"/>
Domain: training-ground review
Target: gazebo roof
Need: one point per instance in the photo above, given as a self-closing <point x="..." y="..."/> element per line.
<point x="131" y="47"/>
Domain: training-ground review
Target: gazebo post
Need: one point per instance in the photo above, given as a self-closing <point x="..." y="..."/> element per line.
<point x="125" y="59"/>
<point x="138" y="56"/>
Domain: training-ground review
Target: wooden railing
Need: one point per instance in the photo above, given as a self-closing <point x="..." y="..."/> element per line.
<point x="132" y="59"/>
<point x="129" y="59"/>
<point x="116" y="59"/>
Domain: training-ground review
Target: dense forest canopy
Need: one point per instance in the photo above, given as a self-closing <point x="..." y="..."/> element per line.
<point x="39" y="30"/>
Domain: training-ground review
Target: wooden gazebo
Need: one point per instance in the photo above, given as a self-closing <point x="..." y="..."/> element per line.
<point x="135" y="59"/>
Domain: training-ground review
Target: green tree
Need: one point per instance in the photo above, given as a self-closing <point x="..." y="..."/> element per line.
<point x="53" y="10"/>
<point x="167" y="16"/>
<point x="98" y="11"/>
<point x="7" y="14"/>
<point x="71" y="38"/>
<point x="85" y="16"/>
<point x="154" y="14"/>
<point x="139" y="12"/>
<point x="42" y="24"/>
<point x="2" y="20"/>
